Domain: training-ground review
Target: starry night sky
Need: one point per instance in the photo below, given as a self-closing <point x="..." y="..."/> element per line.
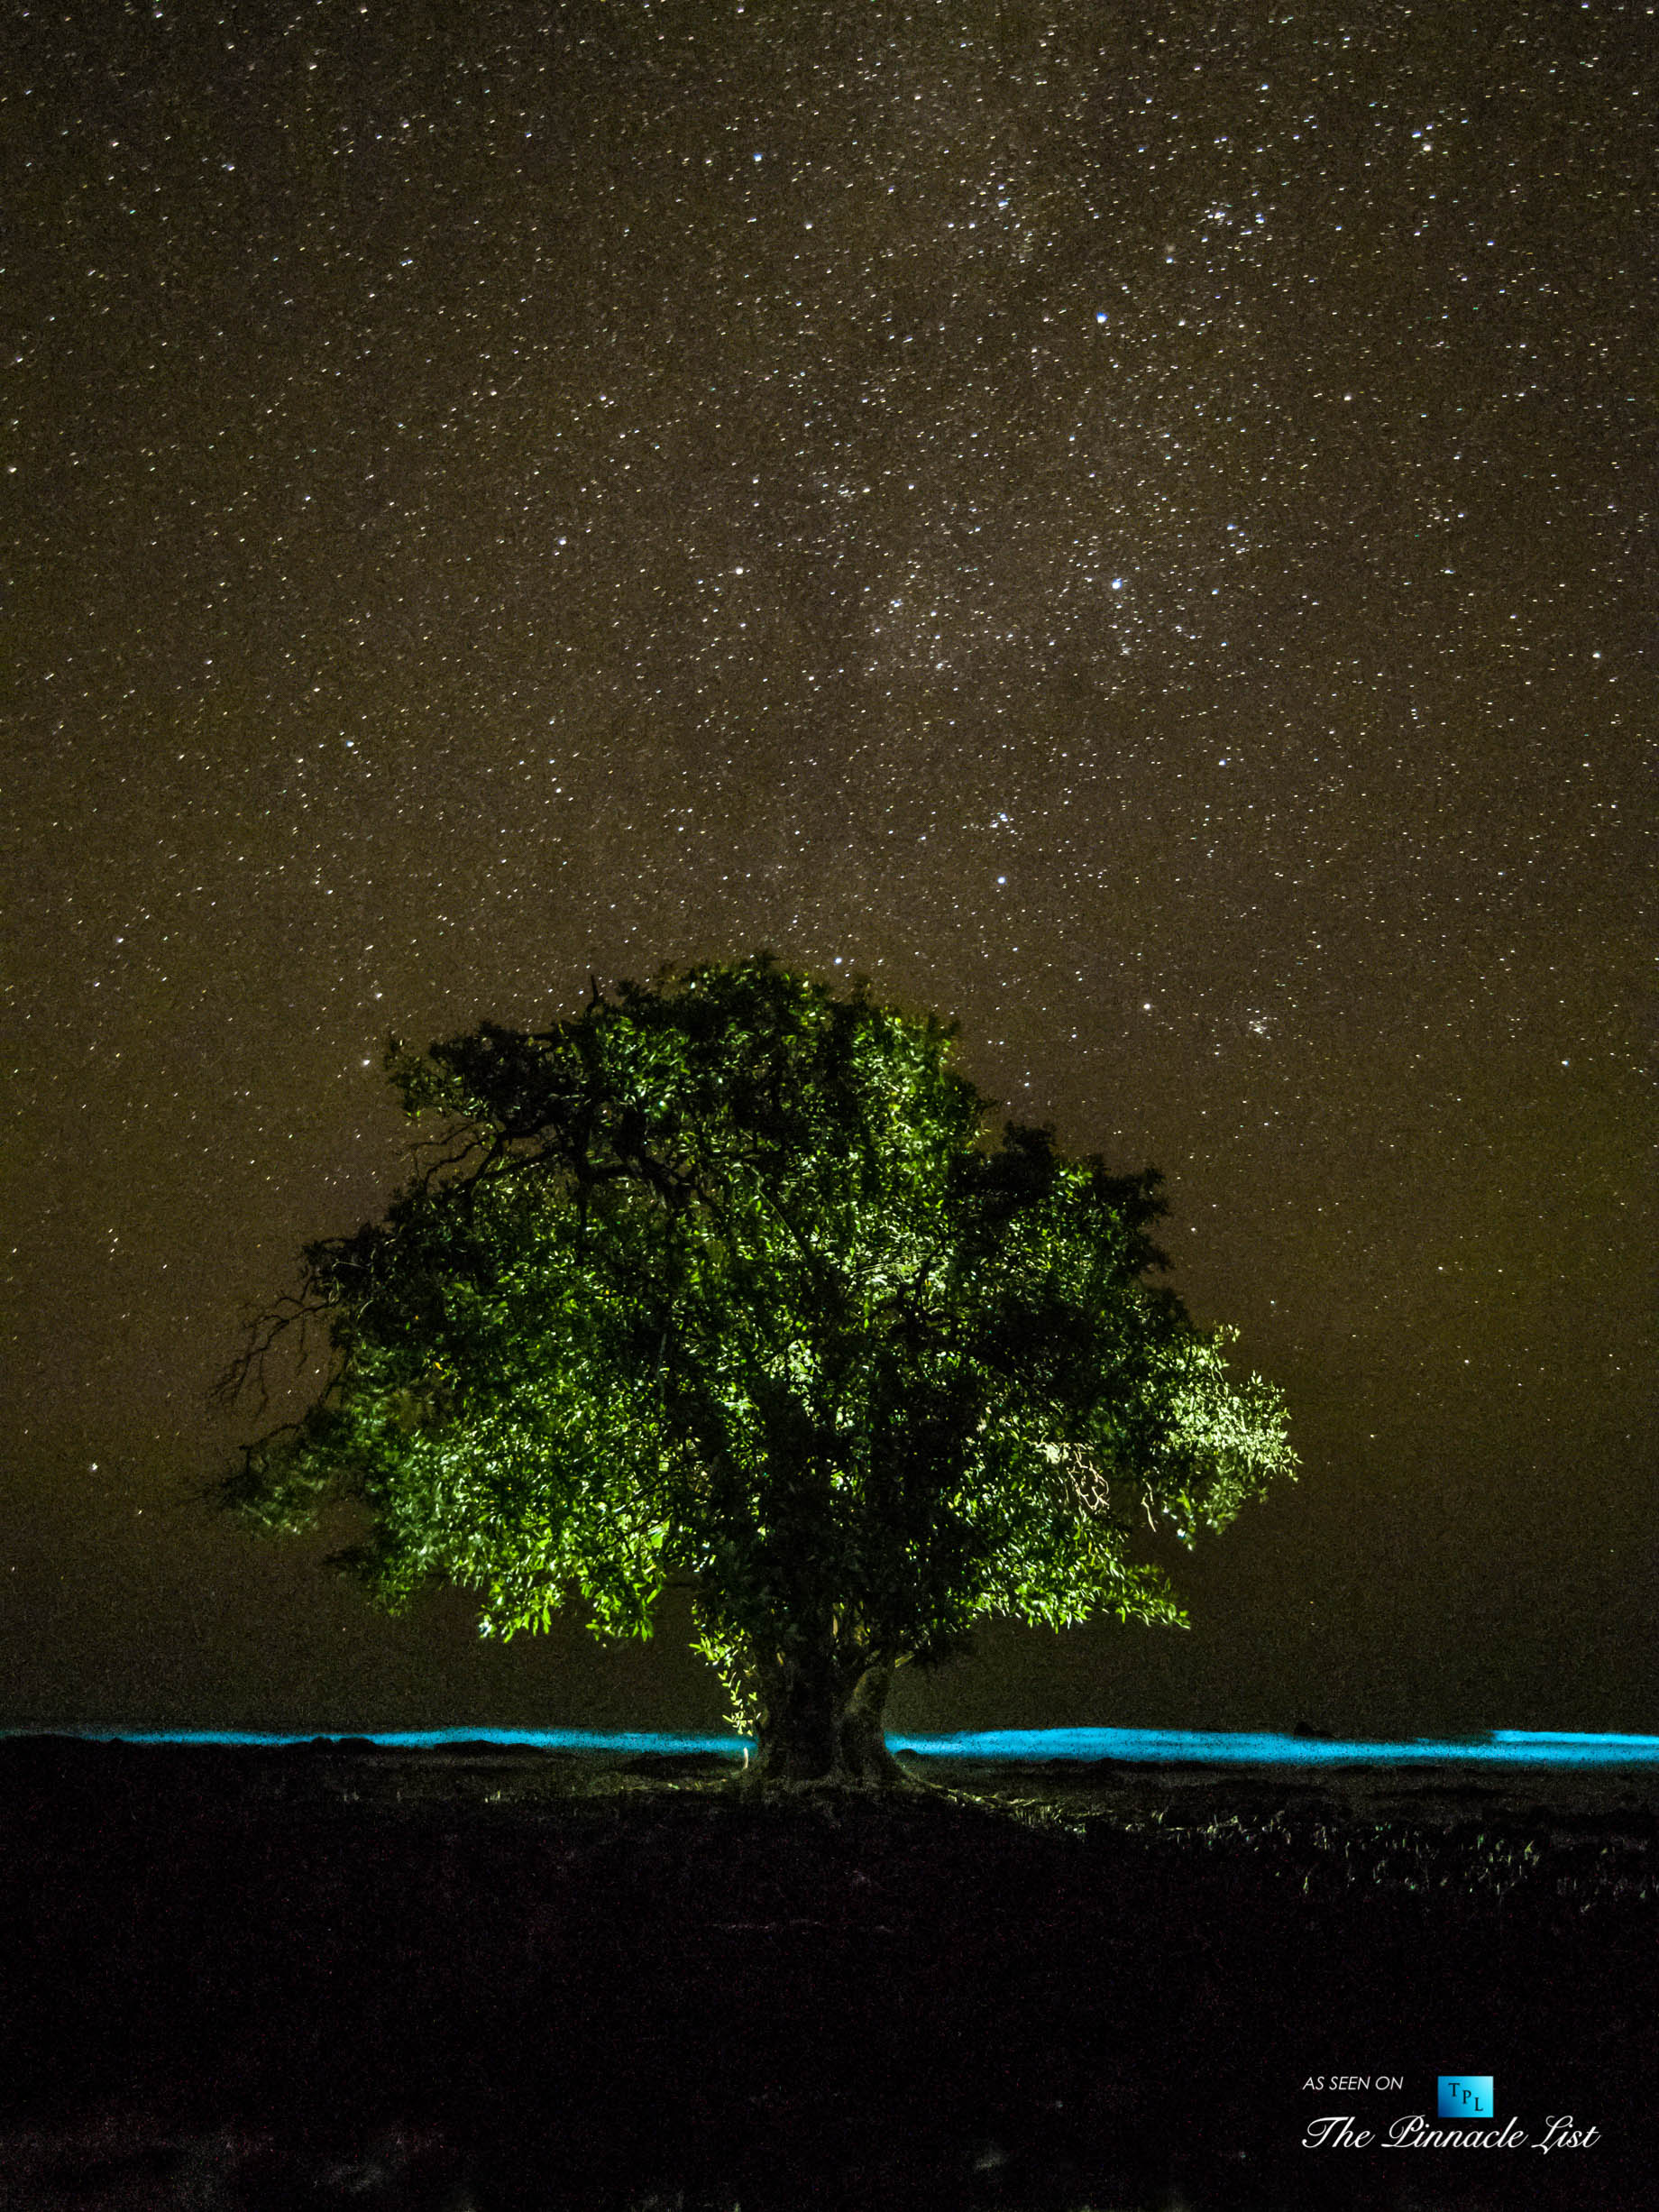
<point x="1131" y="526"/>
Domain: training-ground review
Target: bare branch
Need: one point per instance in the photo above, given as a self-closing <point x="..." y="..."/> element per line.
<point x="454" y="1147"/>
<point x="206" y="1492"/>
<point x="261" y="1338"/>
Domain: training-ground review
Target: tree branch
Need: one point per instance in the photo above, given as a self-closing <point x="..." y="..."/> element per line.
<point x="288" y="1310"/>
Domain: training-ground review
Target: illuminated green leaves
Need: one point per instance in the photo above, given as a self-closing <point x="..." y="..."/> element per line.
<point x="726" y="1280"/>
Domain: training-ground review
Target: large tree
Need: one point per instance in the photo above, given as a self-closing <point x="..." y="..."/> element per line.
<point x="725" y="1281"/>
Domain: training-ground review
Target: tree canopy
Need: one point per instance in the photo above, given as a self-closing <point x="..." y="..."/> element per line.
<point x="728" y="1279"/>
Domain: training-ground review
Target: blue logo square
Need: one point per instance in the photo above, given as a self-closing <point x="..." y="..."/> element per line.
<point x="1465" y="2096"/>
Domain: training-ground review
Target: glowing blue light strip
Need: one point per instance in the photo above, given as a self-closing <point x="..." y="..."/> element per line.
<point x="1507" y="1747"/>
<point x="1181" y="1746"/>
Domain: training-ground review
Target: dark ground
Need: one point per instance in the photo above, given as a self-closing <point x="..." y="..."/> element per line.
<point x="500" y="1982"/>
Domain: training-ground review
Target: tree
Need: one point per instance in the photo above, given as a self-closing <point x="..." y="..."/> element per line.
<point x="725" y="1280"/>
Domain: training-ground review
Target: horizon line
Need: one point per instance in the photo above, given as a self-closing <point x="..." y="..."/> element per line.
<point x="1229" y="1747"/>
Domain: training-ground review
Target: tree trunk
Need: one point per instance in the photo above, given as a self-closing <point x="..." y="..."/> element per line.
<point x="820" y="1721"/>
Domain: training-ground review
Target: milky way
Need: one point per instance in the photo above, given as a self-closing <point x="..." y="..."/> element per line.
<point x="1131" y="530"/>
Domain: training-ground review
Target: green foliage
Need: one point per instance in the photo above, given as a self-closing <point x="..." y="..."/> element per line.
<point x="725" y="1280"/>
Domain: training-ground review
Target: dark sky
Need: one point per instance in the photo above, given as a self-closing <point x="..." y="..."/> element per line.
<point x="1134" y="527"/>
